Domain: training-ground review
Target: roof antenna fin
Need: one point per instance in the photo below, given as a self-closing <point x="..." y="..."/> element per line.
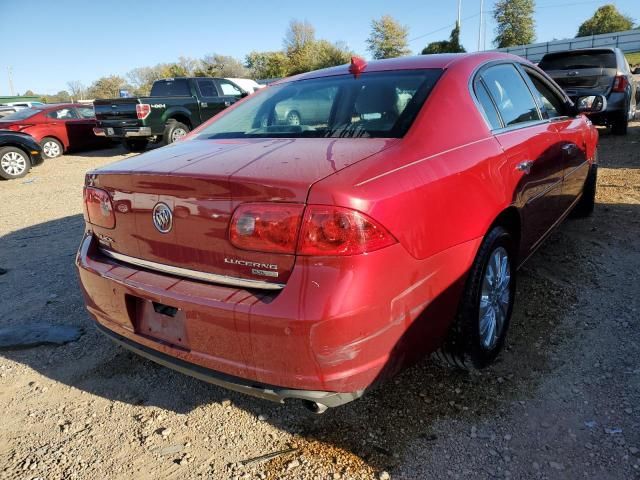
<point x="358" y="64"/>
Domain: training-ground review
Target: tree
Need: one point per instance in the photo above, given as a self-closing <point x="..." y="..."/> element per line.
<point x="388" y="39"/>
<point x="606" y="19"/>
<point x="29" y="93"/>
<point x="515" y="22"/>
<point x="331" y="54"/>
<point x="108" y="87"/>
<point x="300" y="47"/>
<point x="264" y="65"/>
<point x="446" y="46"/>
<point x="216" y="65"/>
<point x="76" y="89"/>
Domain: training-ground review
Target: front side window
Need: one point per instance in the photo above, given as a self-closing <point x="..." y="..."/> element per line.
<point x="552" y="106"/>
<point x="86" y="112"/>
<point x="377" y="104"/>
<point x="510" y="94"/>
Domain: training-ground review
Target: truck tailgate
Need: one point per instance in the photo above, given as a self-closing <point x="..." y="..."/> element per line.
<point x="121" y="109"/>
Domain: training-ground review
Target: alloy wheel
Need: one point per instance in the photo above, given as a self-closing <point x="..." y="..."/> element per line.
<point x="13" y="163"/>
<point x="177" y="134"/>
<point x="51" y="149"/>
<point x="495" y="297"/>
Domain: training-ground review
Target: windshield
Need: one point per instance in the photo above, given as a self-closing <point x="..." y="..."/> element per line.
<point x="380" y="104"/>
<point x="577" y="59"/>
<point x="22" y="114"/>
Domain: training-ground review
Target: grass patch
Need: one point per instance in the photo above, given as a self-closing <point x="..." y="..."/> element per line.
<point x="633" y="58"/>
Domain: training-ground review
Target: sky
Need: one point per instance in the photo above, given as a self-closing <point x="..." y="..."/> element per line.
<point x="47" y="43"/>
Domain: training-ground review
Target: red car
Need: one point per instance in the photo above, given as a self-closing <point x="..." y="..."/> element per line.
<point x="57" y="127"/>
<point x="309" y="260"/>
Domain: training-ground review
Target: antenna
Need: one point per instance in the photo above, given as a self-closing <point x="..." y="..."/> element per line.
<point x="480" y="26"/>
<point x="459" y="13"/>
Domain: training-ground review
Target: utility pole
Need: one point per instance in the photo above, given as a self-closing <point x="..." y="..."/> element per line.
<point x="480" y="26"/>
<point x="9" y="72"/>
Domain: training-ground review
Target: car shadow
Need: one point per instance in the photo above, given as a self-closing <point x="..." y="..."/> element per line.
<point x="615" y="153"/>
<point x="40" y="259"/>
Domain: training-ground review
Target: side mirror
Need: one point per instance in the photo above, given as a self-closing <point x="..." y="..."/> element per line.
<point x="591" y="104"/>
<point x="244" y="94"/>
<point x="636" y="71"/>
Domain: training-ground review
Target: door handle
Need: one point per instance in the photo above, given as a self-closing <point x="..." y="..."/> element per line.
<point x="525" y="166"/>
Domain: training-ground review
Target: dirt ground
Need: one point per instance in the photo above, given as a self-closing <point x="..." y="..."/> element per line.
<point x="562" y="402"/>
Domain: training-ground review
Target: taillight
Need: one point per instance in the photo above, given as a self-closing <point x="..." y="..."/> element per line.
<point x="620" y="83"/>
<point x="98" y="207"/>
<point x="329" y="230"/>
<point x="324" y="230"/>
<point x="266" y="227"/>
<point x="143" y="110"/>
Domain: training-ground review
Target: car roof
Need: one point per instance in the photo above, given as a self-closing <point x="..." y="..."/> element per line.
<point x="439" y="61"/>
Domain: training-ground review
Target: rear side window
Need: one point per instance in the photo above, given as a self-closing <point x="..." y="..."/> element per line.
<point x="488" y="108"/>
<point x="510" y="94"/>
<point x="86" y="112"/>
<point x="578" y="60"/>
<point x="207" y="88"/>
<point x="171" y="88"/>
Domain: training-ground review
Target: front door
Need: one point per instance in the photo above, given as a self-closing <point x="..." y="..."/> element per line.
<point x="532" y="148"/>
<point x="210" y="102"/>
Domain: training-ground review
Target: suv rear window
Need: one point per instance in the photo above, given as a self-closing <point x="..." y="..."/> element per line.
<point x="171" y="88"/>
<point x="377" y="104"/>
<point x="577" y="60"/>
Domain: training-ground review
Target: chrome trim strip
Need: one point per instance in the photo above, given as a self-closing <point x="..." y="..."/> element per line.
<point x="193" y="274"/>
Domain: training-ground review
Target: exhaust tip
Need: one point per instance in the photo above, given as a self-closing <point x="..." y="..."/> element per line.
<point x="315" y="407"/>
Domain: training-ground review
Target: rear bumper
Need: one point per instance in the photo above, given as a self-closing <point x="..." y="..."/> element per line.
<point x="337" y="327"/>
<point x="266" y="392"/>
<point x="118" y="132"/>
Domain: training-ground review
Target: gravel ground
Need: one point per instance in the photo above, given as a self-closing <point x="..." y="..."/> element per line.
<point x="562" y="402"/>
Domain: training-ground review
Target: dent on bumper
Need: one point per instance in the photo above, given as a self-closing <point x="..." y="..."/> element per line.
<point x="339" y="325"/>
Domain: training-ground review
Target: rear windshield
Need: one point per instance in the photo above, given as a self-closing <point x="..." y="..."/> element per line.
<point x="22" y="114"/>
<point x="171" y="88"/>
<point x="380" y="104"/>
<point x="577" y="59"/>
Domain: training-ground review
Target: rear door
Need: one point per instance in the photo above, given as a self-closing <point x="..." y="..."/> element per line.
<point x="210" y="102"/>
<point x="531" y="145"/>
<point x="571" y="129"/>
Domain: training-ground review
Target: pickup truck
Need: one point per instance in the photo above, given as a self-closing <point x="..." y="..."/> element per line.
<point x="175" y="107"/>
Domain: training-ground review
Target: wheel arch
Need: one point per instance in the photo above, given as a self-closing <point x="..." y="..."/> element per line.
<point x="510" y="220"/>
<point x="65" y="146"/>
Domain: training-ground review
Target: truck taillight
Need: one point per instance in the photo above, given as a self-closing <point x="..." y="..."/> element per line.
<point x="266" y="227"/>
<point x="620" y="83"/>
<point x="322" y="230"/>
<point x="98" y="207"/>
<point x="143" y="110"/>
<point x="329" y="230"/>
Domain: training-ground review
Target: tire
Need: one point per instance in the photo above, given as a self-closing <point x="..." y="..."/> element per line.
<point x="293" y="118"/>
<point x="51" y="147"/>
<point x="174" y="131"/>
<point x="620" y="123"/>
<point x="137" y="145"/>
<point x="469" y="343"/>
<point x="14" y="163"/>
<point x="587" y="202"/>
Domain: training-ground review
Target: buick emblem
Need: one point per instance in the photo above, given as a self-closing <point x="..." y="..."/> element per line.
<point x="162" y="217"/>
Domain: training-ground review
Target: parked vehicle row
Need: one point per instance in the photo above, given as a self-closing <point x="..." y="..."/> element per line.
<point x="175" y="107"/>
<point x="57" y="127"/>
<point x="309" y="260"/>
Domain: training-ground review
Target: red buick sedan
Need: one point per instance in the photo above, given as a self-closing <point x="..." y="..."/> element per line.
<point x="57" y="127"/>
<point x="309" y="260"/>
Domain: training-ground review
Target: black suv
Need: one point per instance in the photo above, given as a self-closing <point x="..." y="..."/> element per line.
<point x="604" y="71"/>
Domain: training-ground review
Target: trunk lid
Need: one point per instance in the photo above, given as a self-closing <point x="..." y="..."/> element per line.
<point x="202" y="182"/>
